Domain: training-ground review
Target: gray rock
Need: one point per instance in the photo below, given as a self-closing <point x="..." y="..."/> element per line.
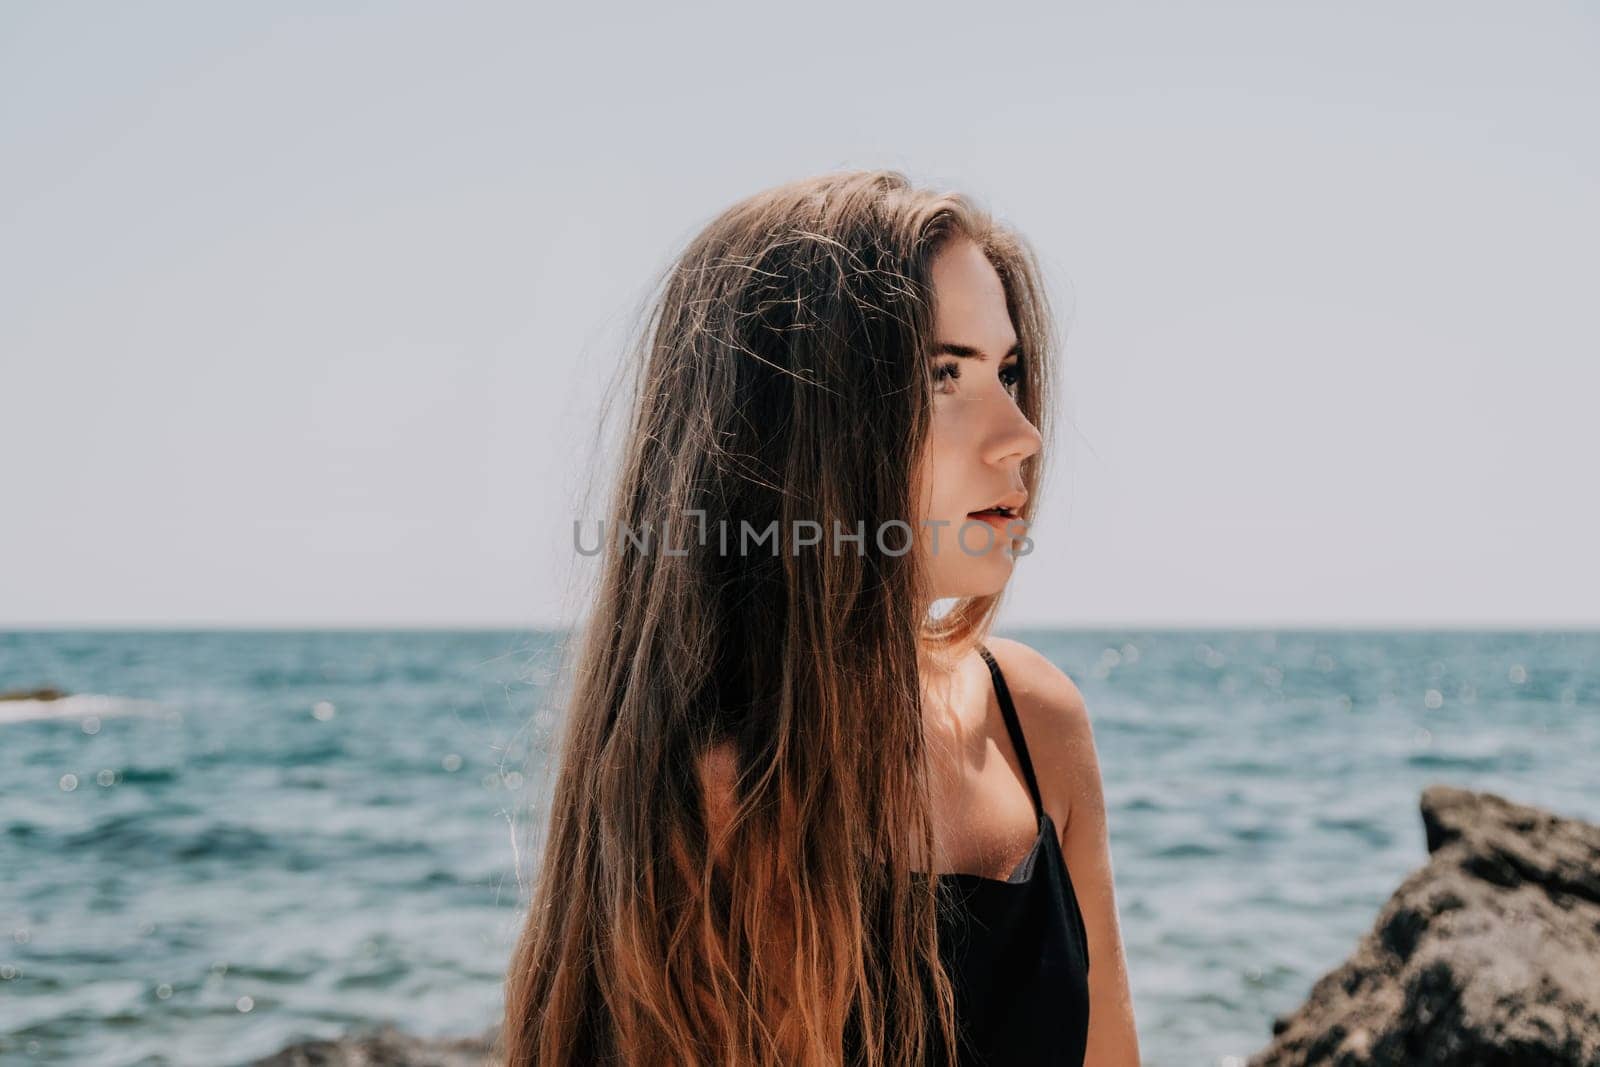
<point x="386" y="1047"/>
<point x="47" y="692"/>
<point x="1488" y="956"/>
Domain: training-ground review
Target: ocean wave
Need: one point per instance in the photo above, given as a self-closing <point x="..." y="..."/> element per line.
<point x="141" y="840"/>
<point x="77" y="706"/>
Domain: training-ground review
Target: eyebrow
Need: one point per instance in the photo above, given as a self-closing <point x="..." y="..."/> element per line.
<point x="949" y="348"/>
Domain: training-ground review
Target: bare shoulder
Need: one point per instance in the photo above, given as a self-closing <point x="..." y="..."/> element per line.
<point x="1033" y="678"/>
<point x="1055" y="720"/>
<point x="718" y="769"/>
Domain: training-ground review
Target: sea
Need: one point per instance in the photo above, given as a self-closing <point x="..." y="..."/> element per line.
<point x="226" y="841"/>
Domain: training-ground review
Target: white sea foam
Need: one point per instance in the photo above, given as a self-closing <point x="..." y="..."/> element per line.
<point x="76" y="706"/>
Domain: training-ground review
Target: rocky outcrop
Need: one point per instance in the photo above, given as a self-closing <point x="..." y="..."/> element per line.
<point x="386" y="1047"/>
<point x="1488" y="956"/>
<point x="42" y="693"/>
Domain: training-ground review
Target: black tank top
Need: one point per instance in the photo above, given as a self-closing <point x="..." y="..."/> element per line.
<point x="1016" y="950"/>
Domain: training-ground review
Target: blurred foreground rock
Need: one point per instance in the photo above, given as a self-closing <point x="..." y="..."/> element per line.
<point x="387" y="1047"/>
<point x="1489" y="955"/>
<point x="47" y="692"/>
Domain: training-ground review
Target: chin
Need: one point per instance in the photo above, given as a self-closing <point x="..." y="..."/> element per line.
<point x="984" y="576"/>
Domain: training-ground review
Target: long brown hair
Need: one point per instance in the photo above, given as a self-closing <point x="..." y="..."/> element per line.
<point x="782" y="374"/>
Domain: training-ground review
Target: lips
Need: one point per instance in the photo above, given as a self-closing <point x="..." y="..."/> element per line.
<point x="997" y="519"/>
<point x="1005" y="508"/>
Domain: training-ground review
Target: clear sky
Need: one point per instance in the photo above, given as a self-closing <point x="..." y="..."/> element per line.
<point x="305" y="316"/>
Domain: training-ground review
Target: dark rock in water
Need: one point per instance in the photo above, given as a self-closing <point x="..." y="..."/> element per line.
<point x="1487" y="956"/>
<point x="386" y="1047"/>
<point x="42" y="693"/>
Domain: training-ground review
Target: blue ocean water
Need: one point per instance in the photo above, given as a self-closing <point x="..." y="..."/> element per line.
<point x="240" y="839"/>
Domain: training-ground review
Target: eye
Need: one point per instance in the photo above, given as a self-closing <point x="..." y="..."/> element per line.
<point x="1010" y="376"/>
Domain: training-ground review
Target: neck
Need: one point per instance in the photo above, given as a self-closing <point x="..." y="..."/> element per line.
<point x="935" y="663"/>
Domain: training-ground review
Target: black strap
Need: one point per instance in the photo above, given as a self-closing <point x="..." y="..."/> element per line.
<point x="1009" y="711"/>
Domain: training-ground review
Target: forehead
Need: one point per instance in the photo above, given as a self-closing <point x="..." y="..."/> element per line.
<point x="969" y="299"/>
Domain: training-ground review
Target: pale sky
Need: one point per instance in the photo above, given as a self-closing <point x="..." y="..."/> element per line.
<point x="305" y="317"/>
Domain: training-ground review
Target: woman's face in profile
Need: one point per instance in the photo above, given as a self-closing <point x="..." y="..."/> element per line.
<point x="979" y="436"/>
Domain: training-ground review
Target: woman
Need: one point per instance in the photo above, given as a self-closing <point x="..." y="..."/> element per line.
<point x="768" y="736"/>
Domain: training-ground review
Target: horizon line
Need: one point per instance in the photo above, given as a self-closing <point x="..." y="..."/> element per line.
<point x="1092" y="626"/>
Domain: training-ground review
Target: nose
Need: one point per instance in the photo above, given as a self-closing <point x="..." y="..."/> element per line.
<point x="1012" y="437"/>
